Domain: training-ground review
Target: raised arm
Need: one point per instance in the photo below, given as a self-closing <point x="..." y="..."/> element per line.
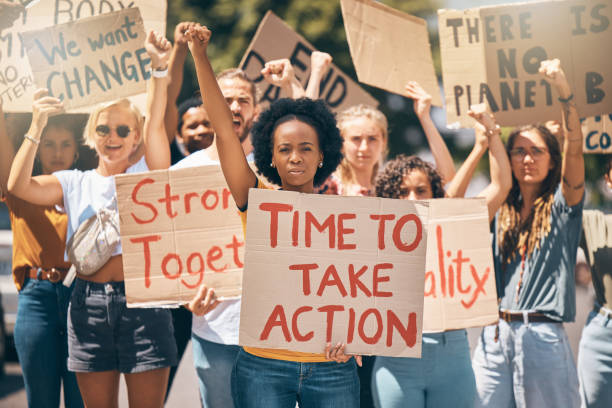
<point x="280" y="73"/>
<point x="157" y="149"/>
<point x="176" y="66"/>
<point x="236" y="170"/>
<point x="572" y="168"/>
<point x="459" y="184"/>
<point x="42" y="190"/>
<point x="499" y="165"/>
<point x="422" y="107"/>
<point x="7" y="152"/>
<point x="319" y="64"/>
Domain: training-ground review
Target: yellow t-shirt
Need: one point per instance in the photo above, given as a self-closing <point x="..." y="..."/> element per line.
<point x="39" y="237"/>
<point x="279" y="354"/>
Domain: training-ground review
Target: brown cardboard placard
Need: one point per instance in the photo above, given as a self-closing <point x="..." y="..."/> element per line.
<point x="179" y="228"/>
<point x="16" y="81"/>
<point x="493" y="54"/>
<point x="84" y="62"/>
<point x="459" y="279"/>
<point x="389" y="47"/>
<point x="301" y="252"/>
<point x="274" y="39"/>
<point x="597" y="133"/>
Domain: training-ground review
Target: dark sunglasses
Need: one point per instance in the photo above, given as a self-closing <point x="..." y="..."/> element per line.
<point x="122" y="131"/>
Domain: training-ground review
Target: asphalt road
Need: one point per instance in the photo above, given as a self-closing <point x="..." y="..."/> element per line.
<point x="184" y="392"/>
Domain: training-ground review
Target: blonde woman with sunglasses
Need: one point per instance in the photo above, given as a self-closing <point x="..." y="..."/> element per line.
<point x="105" y="338"/>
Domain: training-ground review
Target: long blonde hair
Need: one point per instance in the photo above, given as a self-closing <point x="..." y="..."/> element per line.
<point x="345" y="171"/>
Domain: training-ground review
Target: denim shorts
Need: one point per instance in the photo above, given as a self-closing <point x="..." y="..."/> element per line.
<point x="104" y="334"/>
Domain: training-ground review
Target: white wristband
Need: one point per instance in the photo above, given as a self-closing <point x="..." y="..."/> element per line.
<point x="159" y="73"/>
<point x="32" y="139"/>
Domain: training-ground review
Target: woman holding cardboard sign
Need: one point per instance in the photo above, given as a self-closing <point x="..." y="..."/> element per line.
<point x="526" y="360"/>
<point x="297" y="145"/>
<point x="104" y="337"/>
<point x="443" y="376"/>
<point x="39" y="236"/>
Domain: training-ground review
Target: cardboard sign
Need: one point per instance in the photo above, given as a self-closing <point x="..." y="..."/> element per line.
<point x="493" y="54"/>
<point x="93" y="60"/>
<point x="597" y="133"/>
<point x="274" y="39"/>
<point x="16" y="80"/>
<point x="321" y="268"/>
<point x="179" y="228"/>
<point x="460" y="277"/>
<point x="389" y="48"/>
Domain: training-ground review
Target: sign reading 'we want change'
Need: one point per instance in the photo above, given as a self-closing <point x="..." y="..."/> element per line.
<point x="16" y="80"/>
<point x="91" y="60"/>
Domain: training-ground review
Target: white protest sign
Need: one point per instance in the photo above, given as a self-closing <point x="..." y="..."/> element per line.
<point x="273" y="40"/>
<point x="179" y="228"/>
<point x="322" y="268"/>
<point x="460" y="279"/>
<point x="16" y="81"/>
<point x="493" y="54"/>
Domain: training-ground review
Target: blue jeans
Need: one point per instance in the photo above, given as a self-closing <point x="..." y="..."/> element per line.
<point x="214" y="363"/>
<point x="595" y="362"/>
<point x="42" y="344"/>
<point x="442" y="377"/>
<point x="265" y="382"/>
<point x="530" y="365"/>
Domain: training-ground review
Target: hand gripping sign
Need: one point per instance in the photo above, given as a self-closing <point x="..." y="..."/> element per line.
<point x="493" y="54"/>
<point x="274" y="39"/>
<point x="179" y="229"/>
<point x="322" y="268"/>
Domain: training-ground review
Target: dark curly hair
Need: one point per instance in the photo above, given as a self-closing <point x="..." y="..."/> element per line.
<point x="312" y="112"/>
<point x="389" y="181"/>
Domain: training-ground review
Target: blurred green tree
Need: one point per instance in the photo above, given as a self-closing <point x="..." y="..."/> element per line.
<point x="234" y="22"/>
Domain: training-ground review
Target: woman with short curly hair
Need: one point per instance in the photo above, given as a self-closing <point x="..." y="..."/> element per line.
<point x="297" y="146"/>
<point x="443" y="376"/>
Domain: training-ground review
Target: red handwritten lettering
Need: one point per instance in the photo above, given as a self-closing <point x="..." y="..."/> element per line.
<point x="150" y="206"/>
<point x="305" y="268"/>
<point x="382" y="218"/>
<point x="168" y="198"/>
<point x="277" y="318"/>
<point x="377" y="279"/>
<point x="147" y="254"/>
<point x="330" y="310"/>
<point x="397" y="240"/>
<point x="274" y="209"/>
<point x="379" y="326"/>
<point x="342" y="231"/>
<point x="331" y="278"/>
<point x="408" y="333"/>
<point x="294" y="326"/>
<point x="327" y="224"/>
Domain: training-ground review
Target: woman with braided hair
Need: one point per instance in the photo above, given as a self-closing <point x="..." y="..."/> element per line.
<point x="525" y="360"/>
